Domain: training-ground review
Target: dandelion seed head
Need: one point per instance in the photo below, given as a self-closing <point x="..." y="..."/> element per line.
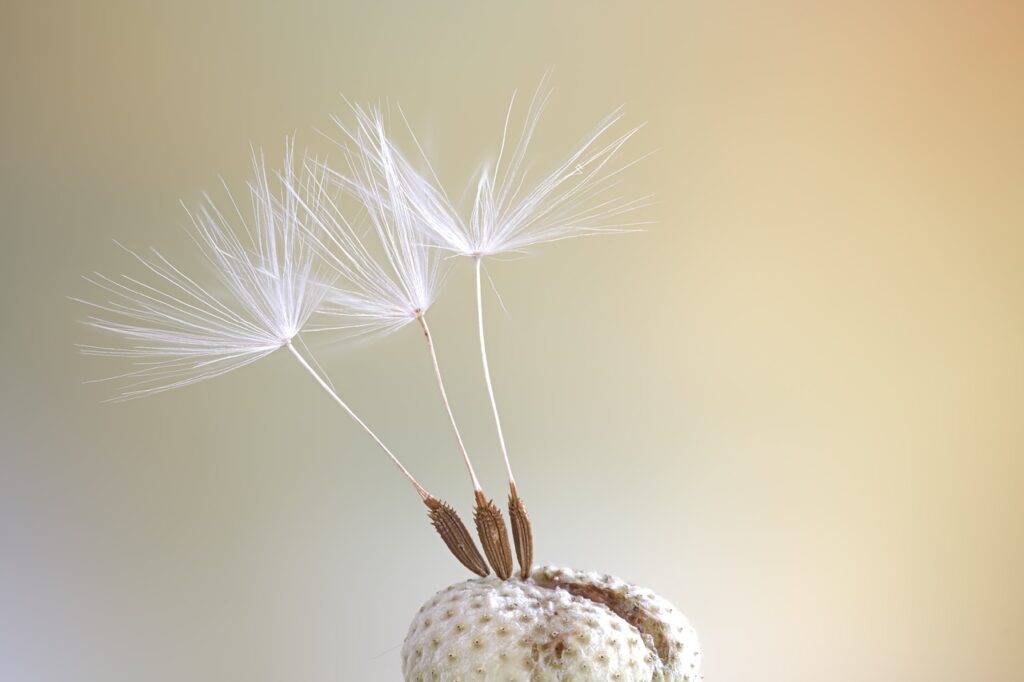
<point x="510" y="213"/>
<point x="388" y="271"/>
<point x="266" y="284"/>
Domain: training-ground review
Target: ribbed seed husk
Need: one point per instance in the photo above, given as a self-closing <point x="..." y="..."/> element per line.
<point x="522" y="531"/>
<point x="454" y="533"/>
<point x="491" y="528"/>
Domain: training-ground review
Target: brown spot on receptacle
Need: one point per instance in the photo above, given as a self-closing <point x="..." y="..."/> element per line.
<point x="455" y="535"/>
<point x="657" y="635"/>
<point x="491" y="528"/>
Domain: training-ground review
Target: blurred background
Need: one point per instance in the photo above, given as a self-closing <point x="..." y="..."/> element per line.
<point x="792" y="407"/>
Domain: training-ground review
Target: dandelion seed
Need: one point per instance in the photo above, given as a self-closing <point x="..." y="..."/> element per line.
<point x="390" y="291"/>
<point x="509" y="215"/>
<point x="178" y="332"/>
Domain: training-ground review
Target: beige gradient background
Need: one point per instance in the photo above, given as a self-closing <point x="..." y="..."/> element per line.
<point x="793" y="407"/>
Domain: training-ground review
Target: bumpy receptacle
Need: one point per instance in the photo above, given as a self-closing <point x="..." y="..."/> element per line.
<point x="559" y="624"/>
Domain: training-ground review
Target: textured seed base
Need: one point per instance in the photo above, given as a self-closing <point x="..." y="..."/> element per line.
<point x="557" y="626"/>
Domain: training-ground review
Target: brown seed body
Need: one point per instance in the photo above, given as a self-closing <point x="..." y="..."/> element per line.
<point x="491" y="527"/>
<point x="454" y="533"/>
<point x="522" y="531"/>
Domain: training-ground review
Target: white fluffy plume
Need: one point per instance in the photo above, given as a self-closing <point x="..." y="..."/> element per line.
<point x="511" y="213"/>
<point x="388" y="276"/>
<point x="177" y="331"/>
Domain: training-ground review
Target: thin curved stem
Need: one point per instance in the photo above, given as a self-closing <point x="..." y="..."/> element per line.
<point x="424" y="495"/>
<point x="487" y="370"/>
<point x="447" y="405"/>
